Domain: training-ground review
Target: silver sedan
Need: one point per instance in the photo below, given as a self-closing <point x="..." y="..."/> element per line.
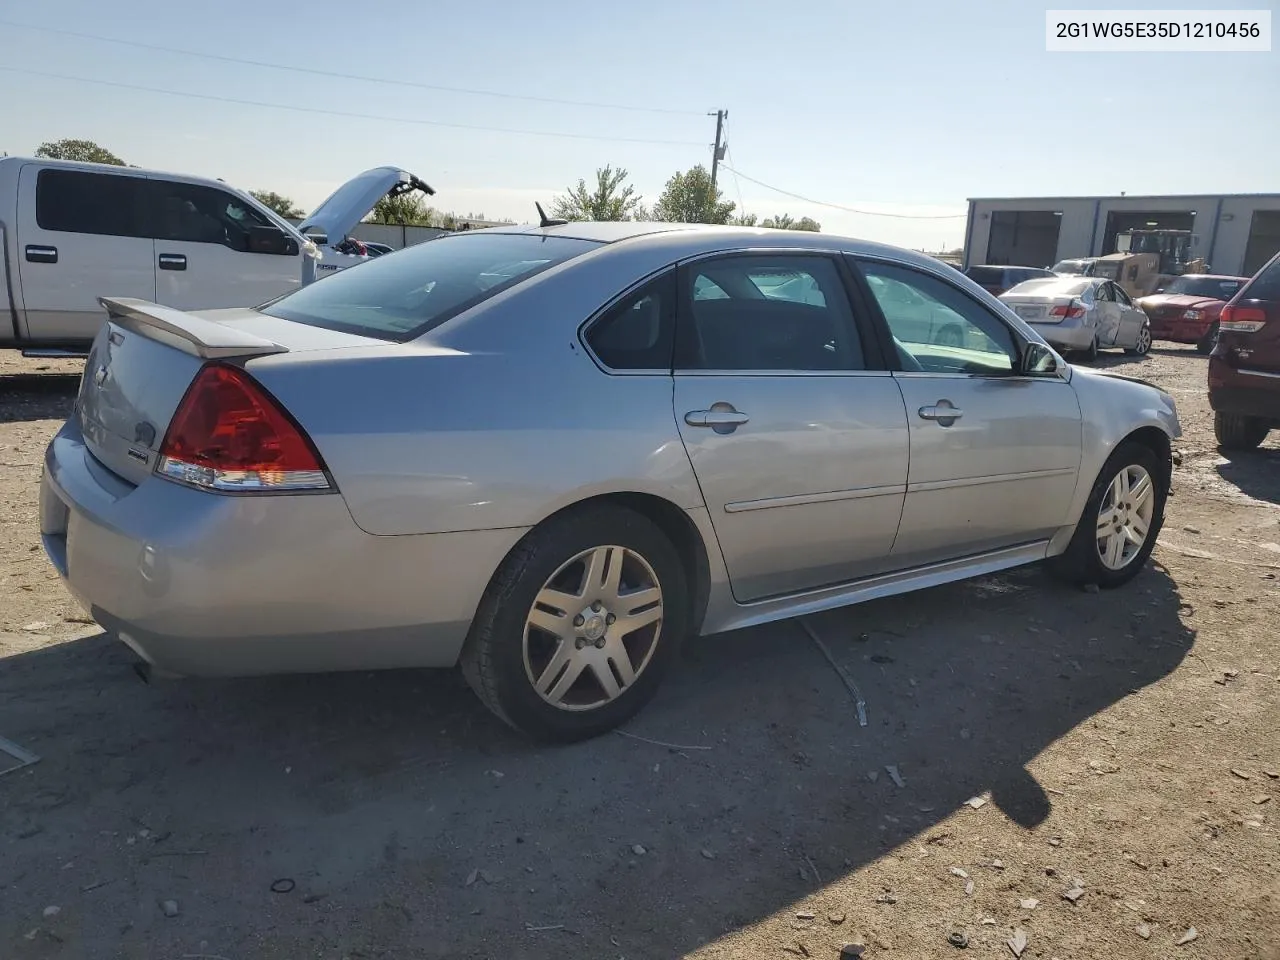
<point x="551" y="453"/>
<point x="1082" y="314"/>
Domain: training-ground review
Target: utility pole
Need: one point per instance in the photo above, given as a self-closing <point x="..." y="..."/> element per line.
<point x="717" y="154"/>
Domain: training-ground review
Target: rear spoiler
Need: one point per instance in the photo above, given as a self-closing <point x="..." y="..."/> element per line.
<point x="186" y="331"/>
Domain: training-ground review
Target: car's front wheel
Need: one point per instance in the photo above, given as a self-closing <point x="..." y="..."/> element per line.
<point x="1236" y="432"/>
<point x="1120" y="522"/>
<point x="579" y="624"/>
<point x="1143" y="346"/>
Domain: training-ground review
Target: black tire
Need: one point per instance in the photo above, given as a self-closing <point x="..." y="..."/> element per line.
<point x="1091" y="354"/>
<point x="493" y="657"/>
<point x="1236" y="432"/>
<point x="1081" y="564"/>
<point x="1209" y="340"/>
<point x="1143" y="346"/>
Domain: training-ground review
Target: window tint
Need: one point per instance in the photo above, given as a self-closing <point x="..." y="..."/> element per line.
<point x="1122" y="298"/>
<point x="190" y="213"/>
<point x="402" y="297"/>
<point x="986" y="276"/>
<point x="107" y="204"/>
<point x="1266" y="283"/>
<point x="637" y="333"/>
<point x="940" y="329"/>
<point x="777" y="312"/>
<point x="1103" y="293"/>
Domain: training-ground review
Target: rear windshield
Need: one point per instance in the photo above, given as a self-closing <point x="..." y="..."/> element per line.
<point x="403" y="295"/>
<point x="1218" y="287"/>
<point x="989" y="276"/>
<point x="1071" y="266"/>
<point x="1266" y="284"/>
<point x="1050" y="287"/>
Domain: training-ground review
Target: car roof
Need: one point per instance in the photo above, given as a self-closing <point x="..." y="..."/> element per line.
<point x="681" y="240"/>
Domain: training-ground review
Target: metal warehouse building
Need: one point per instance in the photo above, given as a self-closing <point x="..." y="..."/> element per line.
<point x="1233" y="233"/>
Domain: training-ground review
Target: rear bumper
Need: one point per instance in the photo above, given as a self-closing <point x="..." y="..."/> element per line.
<point x="216" y="585"/>
<point x="1066" y="335"/>
<point x="1243" y="394"/>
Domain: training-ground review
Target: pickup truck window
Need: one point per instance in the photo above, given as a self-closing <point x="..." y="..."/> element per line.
<point x="110" y="204"/>
<point x="191" y="213"/>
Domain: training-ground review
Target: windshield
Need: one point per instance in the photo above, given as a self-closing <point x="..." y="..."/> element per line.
<point x="1220" y="288"/>
<point x="402" y="297"/>
<point x="1074" y="267"/>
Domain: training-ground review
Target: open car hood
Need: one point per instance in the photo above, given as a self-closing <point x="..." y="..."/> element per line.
<point x="352" y="201"/>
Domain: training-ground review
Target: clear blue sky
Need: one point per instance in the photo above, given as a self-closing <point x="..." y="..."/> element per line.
<point x="909" y="106"/>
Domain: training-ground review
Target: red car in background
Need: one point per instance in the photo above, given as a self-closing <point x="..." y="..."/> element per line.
<point x="1187" y="310"/>
<point x="1244" y="368"/>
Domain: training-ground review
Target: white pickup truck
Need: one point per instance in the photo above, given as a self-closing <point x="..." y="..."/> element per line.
<point x="73" y="232"/>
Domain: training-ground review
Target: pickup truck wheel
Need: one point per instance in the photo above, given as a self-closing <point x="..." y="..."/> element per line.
<point x="1236" y="432"/>
<point x="1120" y="522"/>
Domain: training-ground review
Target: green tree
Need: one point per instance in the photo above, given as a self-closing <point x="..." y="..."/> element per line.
<point x="807" y="223"/>
<point x="743" y="220"/>
<point x="611" y="199"/>
<point x="784" y="221"/>
<point x="408" y="209"/>
<point x="84" y="150"/>
<point x="281" y="205"/>
<point x="689" y="198"/>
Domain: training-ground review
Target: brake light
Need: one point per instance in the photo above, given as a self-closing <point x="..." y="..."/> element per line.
<point x="229" y="434"/>
<point x="1242" y="319"/>
<point x="1070" y="312"/>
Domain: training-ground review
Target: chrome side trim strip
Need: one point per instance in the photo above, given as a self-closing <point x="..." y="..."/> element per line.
<point x="1258" y="373"/>
<point x="992" y="478"/>
<point x="742" y="506"/>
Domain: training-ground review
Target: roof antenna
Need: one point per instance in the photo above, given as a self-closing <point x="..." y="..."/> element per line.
<point x="545" y="220"/>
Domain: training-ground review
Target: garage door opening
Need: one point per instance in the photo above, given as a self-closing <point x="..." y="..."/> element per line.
<point x="1024" y="238"/>
<point x="1167" y="233"/>
<point x="1264" y="241"/>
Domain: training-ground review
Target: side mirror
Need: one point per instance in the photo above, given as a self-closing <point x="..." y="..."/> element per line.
<point x="264" y="238"/>
<point x="1037" y="359"/>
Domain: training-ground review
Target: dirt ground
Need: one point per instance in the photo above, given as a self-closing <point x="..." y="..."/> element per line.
<point x="1126" y="745"/>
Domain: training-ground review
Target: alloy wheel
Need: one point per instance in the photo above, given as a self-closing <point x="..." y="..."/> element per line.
<point x="593" y="628"/>
<point x="1124" y="517"/>
<point x="1144" y="340"/>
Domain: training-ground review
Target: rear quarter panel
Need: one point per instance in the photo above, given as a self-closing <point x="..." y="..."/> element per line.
<point x="497" y="421"/>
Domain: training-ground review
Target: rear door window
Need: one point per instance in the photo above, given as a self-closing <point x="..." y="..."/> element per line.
<point x="1266" y="284"/>
<point x="402" y="297"/>
<point x="107" y="204"/>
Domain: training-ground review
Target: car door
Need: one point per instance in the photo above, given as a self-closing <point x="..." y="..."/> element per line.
<point x="797" y="438"/>
<point x="209" y="249"/>
<point x="1107" y="312"/>
<point x="994" y="453"/>
<point x="1131" y="317"/>
<point x="81" y="235"/>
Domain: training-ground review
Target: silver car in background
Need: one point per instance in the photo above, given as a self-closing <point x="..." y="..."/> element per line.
<point x="550" y="453"/>
<point x="1082" y="314"/>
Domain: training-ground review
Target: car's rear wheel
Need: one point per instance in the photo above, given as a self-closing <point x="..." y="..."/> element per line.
<point x="1143" y="346"/>
<point x="1209" y="340"/>
<point x="1236" y="432"/>
<point x="579" y="624"/>
<point x="1120" y="522"/>
<point x="1091" y="353"/>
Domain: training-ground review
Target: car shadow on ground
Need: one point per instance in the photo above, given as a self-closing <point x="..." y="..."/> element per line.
<point x="1255" y="472"/>
<point x="37" y="396"/>
<point x="408" y="821"/>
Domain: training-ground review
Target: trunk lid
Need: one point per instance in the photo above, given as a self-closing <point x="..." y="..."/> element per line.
<point x="350" y="203"/>
<point x="144" y="359"/>
<point x="1034" y="309"/>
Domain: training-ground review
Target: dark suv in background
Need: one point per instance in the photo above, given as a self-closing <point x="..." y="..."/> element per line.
<point x="997" y="279"/>
<point x="1244" y="368"/>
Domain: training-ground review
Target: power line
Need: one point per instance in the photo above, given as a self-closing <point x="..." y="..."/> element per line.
<point x="837" y="206"/>
<point x="344" y="113"/>
<point x="347" y="76"/>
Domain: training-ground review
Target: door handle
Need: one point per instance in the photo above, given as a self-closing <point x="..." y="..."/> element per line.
<point x="37" y="254"/>
<point x="173" y="261"/>
<point x="721" y="418"/>
<point x="943" y="411"/>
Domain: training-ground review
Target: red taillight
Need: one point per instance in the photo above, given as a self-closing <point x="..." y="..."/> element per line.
<point x="1069" y="312"/>
<point x="229" y="434"/>
<point x="1242" y="319"/>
